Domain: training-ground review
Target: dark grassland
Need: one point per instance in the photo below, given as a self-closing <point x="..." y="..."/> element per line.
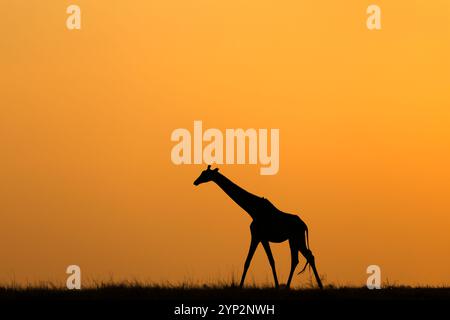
<point x="130" y="300"/>
<point x="169" y="292"/>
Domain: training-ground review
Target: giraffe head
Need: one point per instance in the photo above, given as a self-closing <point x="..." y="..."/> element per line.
<point x="206" y="175"/>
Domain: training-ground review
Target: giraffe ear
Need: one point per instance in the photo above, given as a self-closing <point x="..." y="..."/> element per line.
<point x="216" y="169"/>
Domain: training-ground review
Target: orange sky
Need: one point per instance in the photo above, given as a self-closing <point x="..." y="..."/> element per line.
<point x="86" y="118"/>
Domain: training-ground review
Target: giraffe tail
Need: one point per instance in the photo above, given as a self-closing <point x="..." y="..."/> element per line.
<point x="307" y="247"/>
<point x="304" y="268"/>
<point x="307" y="237"/>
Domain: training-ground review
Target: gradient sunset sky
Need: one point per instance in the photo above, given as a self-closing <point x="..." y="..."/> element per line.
<point x="86" y="118"/>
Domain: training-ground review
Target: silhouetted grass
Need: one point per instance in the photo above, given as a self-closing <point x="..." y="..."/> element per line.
<point x="224" y="292"/>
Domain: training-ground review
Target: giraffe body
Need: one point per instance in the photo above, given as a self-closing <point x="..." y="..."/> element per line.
<point x="278" y="227"/>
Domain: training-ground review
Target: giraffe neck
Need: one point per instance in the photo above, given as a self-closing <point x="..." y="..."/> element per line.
<point x="246" y="200"/>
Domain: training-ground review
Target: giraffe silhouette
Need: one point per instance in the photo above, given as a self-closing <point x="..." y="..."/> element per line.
<point x="269" y="225"/>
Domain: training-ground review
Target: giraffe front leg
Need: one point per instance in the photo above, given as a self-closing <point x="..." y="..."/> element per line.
<point x="271" y="261"/>
<point x="253" y="245"/>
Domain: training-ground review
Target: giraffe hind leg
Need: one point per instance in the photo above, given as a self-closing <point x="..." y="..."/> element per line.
<point x="311" y="261"/>
<point x="294" y="261"/>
